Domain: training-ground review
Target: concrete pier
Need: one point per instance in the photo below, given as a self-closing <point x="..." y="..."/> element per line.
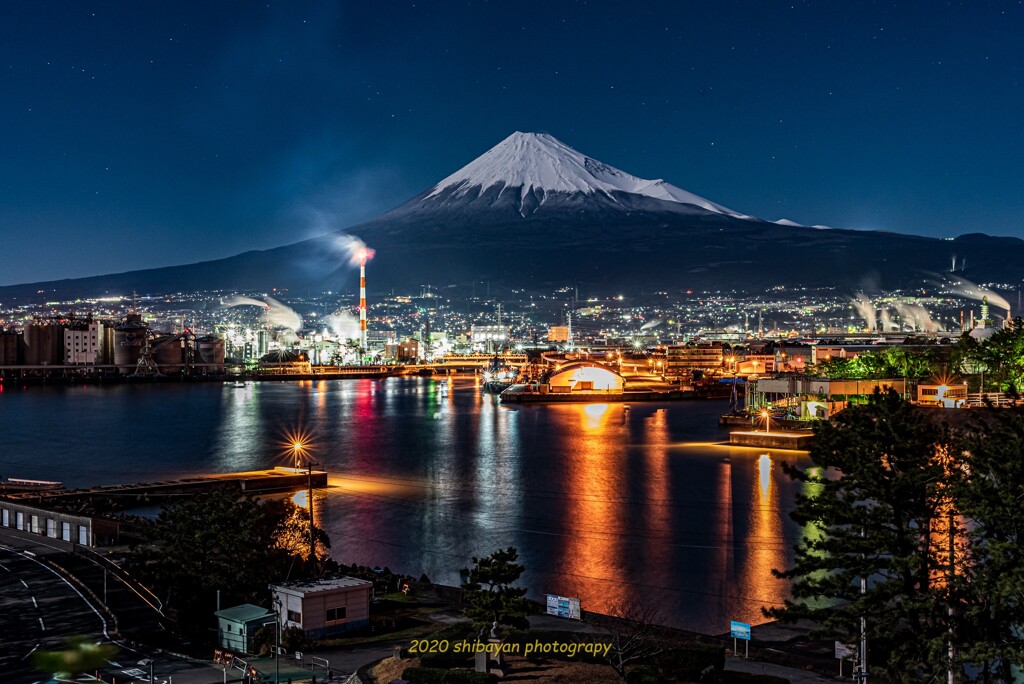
<point x="799" y="441"/>
<point x="272" y="480"/>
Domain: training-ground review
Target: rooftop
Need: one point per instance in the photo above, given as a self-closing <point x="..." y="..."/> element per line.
<point x="312" y="586"/>
<point x="246" y="613"/>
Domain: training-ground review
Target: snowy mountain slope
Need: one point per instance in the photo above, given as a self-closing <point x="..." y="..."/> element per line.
<point x="538" y="166"/>
<point x="534" y="213"/>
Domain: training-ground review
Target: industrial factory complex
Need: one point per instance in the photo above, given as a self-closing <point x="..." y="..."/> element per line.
<point x="549" y="346"/>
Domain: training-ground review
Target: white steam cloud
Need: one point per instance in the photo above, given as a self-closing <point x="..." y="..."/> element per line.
<point x="343" y="324"/>
<point x="239" y="300"/>
<point x="353" y="249"/>
<point x="275" y="313"/>
<point x="966" y="288"/>
<point x="282" y="316"/>
<point x="866" y="310"/>
<point x="886" y="321"/>
<point x="918" y="316"/>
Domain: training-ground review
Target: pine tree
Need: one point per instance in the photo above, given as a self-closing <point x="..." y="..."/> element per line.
<point x="489" y="594"/>
<point x="877" y="487"/>
<point x="991" y="496"/>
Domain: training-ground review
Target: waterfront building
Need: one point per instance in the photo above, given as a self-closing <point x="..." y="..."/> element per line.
<point x="681" y="361"/>
<point x="409" y="350"/>
<point x="85" y="344"/>
<point x="488" y="337"/>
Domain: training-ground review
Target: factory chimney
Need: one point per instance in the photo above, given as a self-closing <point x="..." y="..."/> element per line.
<point x="362" y="302"/>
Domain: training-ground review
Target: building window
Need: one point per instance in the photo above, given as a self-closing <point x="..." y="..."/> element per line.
<point x="335" y="614"/>
<point x="295" y="617"/>
<point x="229" y="628"/>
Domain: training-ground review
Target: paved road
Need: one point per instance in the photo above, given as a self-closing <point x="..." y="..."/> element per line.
<point x="40" y="610"/>
<point x="793" y="674"/>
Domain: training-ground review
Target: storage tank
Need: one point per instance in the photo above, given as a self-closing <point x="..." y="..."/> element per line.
<point x="168" y="354"/>
<point x="210" y="349"/>
<point x="44" y="344"/>
<point x="129" y="338"/>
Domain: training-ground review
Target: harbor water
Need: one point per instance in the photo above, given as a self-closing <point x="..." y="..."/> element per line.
<point x="618" y="504"/>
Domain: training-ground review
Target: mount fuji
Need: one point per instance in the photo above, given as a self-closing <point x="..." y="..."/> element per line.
<point x="533" y="213"/>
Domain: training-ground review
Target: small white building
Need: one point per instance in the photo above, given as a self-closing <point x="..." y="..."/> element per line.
<point x="236" y="626"/>
<point x="321" y="607"/>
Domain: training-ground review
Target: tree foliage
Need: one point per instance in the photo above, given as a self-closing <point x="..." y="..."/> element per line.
<point x="876" y="486"/>
<point x="225" y="540"/>
<point x="80" y="655"/>
<point x="991" y="496"/>
<point x="934" y="519"/>
<point x="1000" y="357"/>
<point x="489" y="593"/>
<point x="888" y="362"/>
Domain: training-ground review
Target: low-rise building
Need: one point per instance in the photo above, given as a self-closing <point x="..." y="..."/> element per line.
<point x="325" y="606"/>
<point x="237" y="626"/>
<point x="682" y="361"/>
<point x="946" y="396"/>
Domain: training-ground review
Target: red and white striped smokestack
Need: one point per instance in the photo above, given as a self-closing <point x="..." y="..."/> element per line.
<point x="362" y="302"/>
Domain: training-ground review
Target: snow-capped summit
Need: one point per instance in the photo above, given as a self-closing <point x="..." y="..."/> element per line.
<point x="537" y="166"/>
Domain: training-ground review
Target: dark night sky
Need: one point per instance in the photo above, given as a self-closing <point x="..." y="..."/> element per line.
<point x="140" y="134"/>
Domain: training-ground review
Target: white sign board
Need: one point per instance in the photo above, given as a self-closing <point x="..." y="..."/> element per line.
<point x="844" y="651"/>
<point x="563" y="606"/>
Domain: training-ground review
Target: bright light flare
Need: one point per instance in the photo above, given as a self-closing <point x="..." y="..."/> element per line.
<point x="354" y="249"/>
<point x="296" y="446"/>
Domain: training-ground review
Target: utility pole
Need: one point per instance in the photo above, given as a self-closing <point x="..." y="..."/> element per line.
<point x="312" y="533"/>
<point x="862" y="671"/>
<point x="950" y="675"/>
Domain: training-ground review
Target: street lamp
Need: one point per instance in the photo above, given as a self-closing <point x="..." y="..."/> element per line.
<point x="767" y="421"/>
<point x="277" y="647"/>
<point x="144" y="663"/>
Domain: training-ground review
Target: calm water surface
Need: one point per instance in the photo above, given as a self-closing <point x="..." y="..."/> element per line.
<point x="604" y="502"/>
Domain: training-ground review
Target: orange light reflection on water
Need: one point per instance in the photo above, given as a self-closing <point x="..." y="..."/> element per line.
<point x="595" y="501"/>
<point x="764" y="548"/>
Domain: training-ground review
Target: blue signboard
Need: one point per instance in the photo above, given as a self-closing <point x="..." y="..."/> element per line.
<point x="739" y="630"/>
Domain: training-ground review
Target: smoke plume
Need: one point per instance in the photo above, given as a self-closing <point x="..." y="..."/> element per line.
<point x="343" y="324"/>
<point x="275" y="314"/>
<point x="965" y="288"/>
<point x="865" y="309"/>
<point x="918" y="316"/>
